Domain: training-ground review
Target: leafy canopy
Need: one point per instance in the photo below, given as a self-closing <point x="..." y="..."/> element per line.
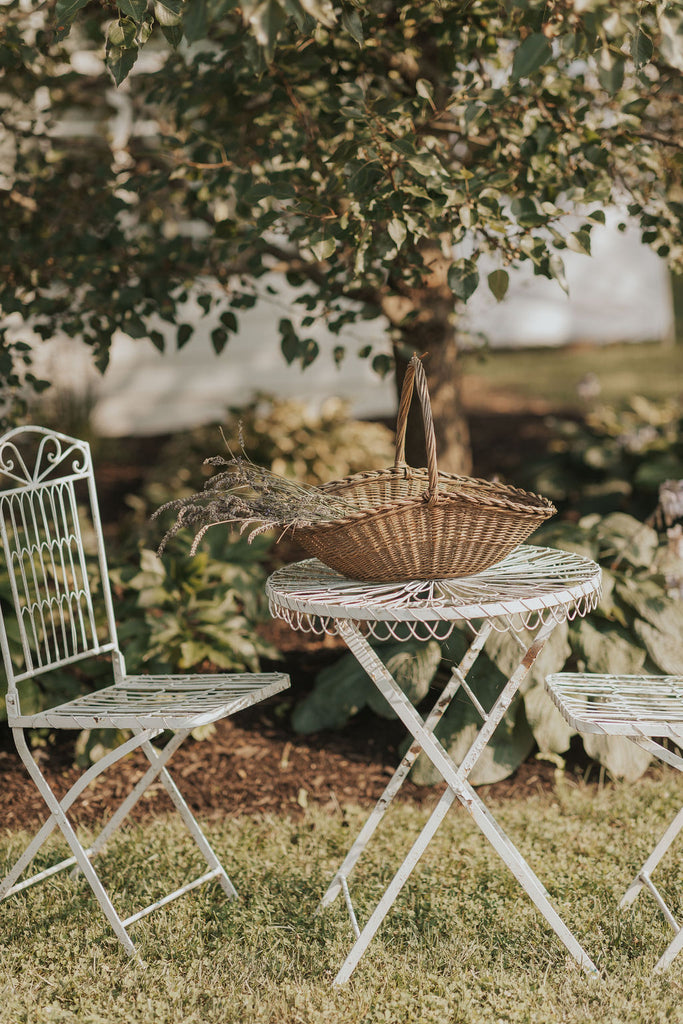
<point x="355" y="147"/>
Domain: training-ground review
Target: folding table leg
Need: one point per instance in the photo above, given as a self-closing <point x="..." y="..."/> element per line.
<point x="458" y="786"/>
<point x="401" y="773"/>
<point x="394" y="888"/>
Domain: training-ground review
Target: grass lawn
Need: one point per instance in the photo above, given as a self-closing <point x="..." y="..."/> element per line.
<point x="654" y="370"/>
<point x="463" y="943"/>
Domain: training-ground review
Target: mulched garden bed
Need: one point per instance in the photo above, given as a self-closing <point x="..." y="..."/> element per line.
<point x="251" y="765"/>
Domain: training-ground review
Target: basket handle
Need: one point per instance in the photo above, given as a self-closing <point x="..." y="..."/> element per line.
<point x="415" y="374"/>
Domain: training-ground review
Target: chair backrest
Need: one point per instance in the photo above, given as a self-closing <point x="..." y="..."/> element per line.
<point x="48" y="505"/>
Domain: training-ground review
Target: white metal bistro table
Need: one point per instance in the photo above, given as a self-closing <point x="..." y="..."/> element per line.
<point x="526" y="595"/>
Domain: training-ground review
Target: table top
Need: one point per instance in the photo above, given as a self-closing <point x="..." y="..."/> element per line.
<point x="529" y="585"/>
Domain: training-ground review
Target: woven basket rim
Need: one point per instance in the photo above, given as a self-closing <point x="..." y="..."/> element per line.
<point x="478" y="493"/>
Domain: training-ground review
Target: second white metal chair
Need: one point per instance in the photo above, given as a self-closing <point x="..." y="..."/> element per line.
<point x="639" y="708"/>
<point x="48" y="506"/>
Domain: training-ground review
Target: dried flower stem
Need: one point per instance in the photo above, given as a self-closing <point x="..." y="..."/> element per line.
<point x="251" y="496"/>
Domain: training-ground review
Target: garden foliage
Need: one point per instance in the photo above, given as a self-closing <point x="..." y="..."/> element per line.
<point x="615" y="459"/>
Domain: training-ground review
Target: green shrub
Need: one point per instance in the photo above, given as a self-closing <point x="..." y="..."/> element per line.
<point x="181" y="613"/>
<point x="611" y="460"/>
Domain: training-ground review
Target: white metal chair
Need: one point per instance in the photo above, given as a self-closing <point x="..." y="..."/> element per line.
<point x="639" y="708"/>
<point x="48" y="505"/>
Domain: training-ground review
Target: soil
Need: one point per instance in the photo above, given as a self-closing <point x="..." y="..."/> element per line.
<point x="255" y="763"/>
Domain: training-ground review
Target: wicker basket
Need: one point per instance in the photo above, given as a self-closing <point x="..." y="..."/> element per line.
<point x="421" y="523"/>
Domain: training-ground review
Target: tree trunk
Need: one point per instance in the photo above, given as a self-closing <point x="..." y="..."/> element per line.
<point x="424" y="324"/>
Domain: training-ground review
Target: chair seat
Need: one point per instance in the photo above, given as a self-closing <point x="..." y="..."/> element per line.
<point x="159" y="702"/>
<point x="620" y="705"/>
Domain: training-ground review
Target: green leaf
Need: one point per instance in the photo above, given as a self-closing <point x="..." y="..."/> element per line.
<point x="290" y="347"/>
<point x="557" y="272"/>
<point x="608" y="650"/>
<point x="511" y="744"/>
<point x="219" y="339"/>
<point x="267" y="19"/>
<point x="174" y="34"/>
<point x="621" y="757"/>
<point x="504" y="651"/>
<point x="627" y="538"/>
<point x="397" y="232"/>
<point x="135" y="9"/>
<point x="652" y="603"/>
<point x="195" y="20"/>
<point x="498" y="282"/>
<point x="665" y="650"/>
<point x="425" y="89"/>
<point x="413" y="665"/>
<point x="342" y="689"/>
<point x="671" y="27"/>
<point x="551" y="732"/>
<point x="611" y="67"/>
<point x="120" y="60"/>
<point x="382" y="365"/>
<point x="642" y="48"/>
<point x="66" y="11"/>
<point x="352" y="23"/>
<point x="168" y="12"/>
<point x="463" y="278"/>
<point x="309" y="350"/>
<point x="323" y="248"/>
<point x="229" y="321"/>
<point x="185" y="332"/>
<point x="530" y="55"/>
<point x="122" y="33"/>
<point x="526" y="213"/>
<point x="580" y="241"/>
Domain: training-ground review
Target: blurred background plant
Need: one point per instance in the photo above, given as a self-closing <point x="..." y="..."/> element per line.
<point x="287" y="436"/>
<point x="612" y="458"/>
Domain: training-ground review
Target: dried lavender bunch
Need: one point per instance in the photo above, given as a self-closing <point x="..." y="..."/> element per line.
<point x="252" y="496"/>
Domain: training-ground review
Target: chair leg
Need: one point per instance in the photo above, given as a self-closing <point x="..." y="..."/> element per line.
<point x="138" y="790"/>
<point x="80" y="856"/>
<point x="158" y="762"/>
<point x="672" y="950"/>
<point x="642" y="878"/>
<point x="7" y="886"/>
